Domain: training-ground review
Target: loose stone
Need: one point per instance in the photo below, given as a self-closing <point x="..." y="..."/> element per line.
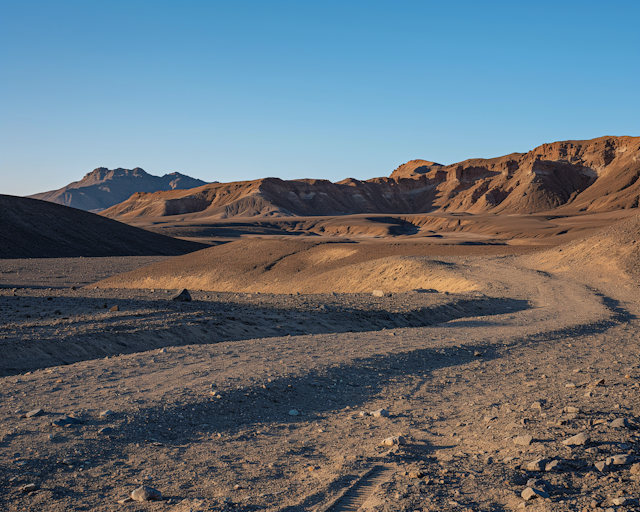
<point x="619" y="423"/>
<point x="380" y="413"/>
<point x="537" y="465"/>
<point x="620" y="460"/>
<point x="182" y="296"/>
<point x="391" y="441"/>
<point x="145" y="493"/>
<point x="293" y="412"/>
<point x="530" y="493"/>
<point x="578" y="439"/>
<point x="29" y="488"/>
<point x="523" y="440"/>
<point x="35" y="412"/>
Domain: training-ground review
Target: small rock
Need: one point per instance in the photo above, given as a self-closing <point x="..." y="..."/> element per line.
<point x="293" y="412"/>
<point x="105" y="430"/>
<point x="554" y="465"/>
<point x="29" y="488"/>
<point x="622" y="500"/>
<point x="619" y="423"/>
<point x="391" y="441"/>
<point x="601" y="466"/>
<point x="490" y="417"/>
<point x="571" y="410"/>
<point x="114" y="309"/>
<point x="523" y="440"/>
<point x="65" y="420"/>
<point x="145" y="493"/>
<point x="35" y="412"/>
<point x="536" y="465"/>
<point x="182" y="296"/>
<point x="108" y="412"/>
<point x="597" y="383"/>
<point x="620" y="460"/>
<point x="364" y="413"/>
<point x="416" y="474"/>
<point x="530" y="493"/>
<point x="125" y="500"/>
<point x="380" y="413"/>
<point x="635" y="469"/>
<point x="537" y="406"/>
<point x="378" y="293"/>
<point x="578" y="439"/>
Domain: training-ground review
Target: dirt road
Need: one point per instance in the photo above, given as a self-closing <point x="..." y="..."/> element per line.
<point x="282" y="423"/>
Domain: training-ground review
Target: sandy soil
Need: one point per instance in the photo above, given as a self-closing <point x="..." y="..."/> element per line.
<point x="203" y="412"/>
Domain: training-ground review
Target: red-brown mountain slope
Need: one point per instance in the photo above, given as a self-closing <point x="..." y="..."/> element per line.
<point x="593" y="175"/>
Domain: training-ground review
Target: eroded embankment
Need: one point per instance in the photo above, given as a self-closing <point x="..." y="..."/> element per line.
<point x="74" y="326"/>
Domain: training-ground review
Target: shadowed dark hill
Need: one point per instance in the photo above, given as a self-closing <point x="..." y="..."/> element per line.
<point x="30" y="228"/>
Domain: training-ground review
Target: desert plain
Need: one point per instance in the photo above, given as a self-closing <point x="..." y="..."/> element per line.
<point x="481" y="354"/>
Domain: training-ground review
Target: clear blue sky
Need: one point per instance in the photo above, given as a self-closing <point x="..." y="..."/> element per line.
<point x="239" y="90"/>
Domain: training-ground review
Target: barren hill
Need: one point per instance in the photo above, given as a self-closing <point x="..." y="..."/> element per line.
<point x="102" y="188"/>
<point x="596" y="175"/>
<point x="305" y="266"/>
<point x="37" y="229"/>
<point x="611" y="250"/>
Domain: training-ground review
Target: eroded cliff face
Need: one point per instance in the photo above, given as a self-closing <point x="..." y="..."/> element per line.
<point x="594" y="175"/>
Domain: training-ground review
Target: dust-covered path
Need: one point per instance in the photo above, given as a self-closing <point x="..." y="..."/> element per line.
<point x="212" y="426"/>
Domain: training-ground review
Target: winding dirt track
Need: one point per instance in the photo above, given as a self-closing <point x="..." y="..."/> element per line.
<point x="459" y="392"/>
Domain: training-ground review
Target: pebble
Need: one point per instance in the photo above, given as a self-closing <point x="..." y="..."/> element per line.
<point x="105" y="430"/>
<point x="35" y="412"/>
<point x="145" y="493"/>
<point x="537" y="465"/>
<point x="29" y="488"/>
<point x="622" y="500"/>
<point x="416" y="474"/>
<point x="114" y="309"/>
<point x="108" y="412"/>
<point x="65" y="420"/>
<point x="554" y="465"/>
<point x="620" y="460"/>
<point x="523" y="440"/>
<point x="391" y="441"/>
<point x="529" y="493"/>
<point x="571" y="410"/>
<point x="378" y="293"/>
<point x="293" y="412"/>
<point x="619" y="423"/>
<point x="380" y="413"/>
<point x="601" y="466"/>
<point x="578" y="439"/>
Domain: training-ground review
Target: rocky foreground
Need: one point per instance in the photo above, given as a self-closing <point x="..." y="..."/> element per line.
<point x="534" y="407"/>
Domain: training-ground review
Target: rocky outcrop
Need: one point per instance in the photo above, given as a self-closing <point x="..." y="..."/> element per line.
<point x="103" y="188"/>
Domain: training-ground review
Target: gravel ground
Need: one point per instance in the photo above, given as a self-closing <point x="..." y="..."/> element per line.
<point x="274" y="421"/>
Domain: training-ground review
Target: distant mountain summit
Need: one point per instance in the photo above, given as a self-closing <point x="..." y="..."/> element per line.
<point x="102" y="188"/>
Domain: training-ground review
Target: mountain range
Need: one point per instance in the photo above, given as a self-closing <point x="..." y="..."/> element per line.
<point x="566" y="177"/>
<point x="103" y="188"/>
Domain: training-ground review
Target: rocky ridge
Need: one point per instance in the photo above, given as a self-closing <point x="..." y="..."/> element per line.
<point x="595" y="175"/>
<point x="103" y="188"/>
